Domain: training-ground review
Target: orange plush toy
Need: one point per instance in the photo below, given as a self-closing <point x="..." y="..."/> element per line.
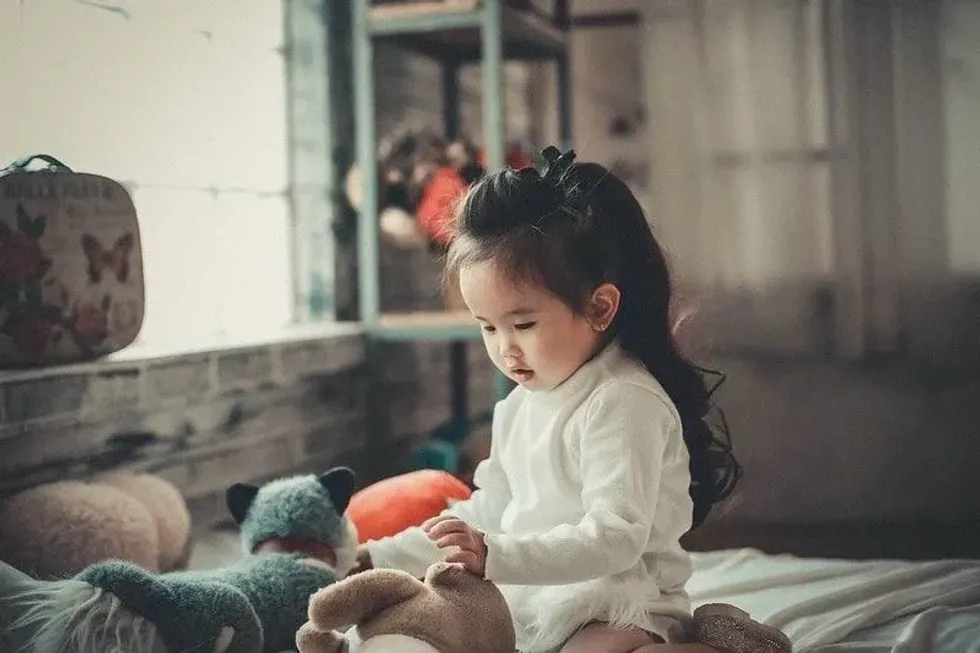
<point x="394" y="504"/>
<point x="435" y="211"/>
<point x="422" y="176"/>
<point x="448" y="185"/>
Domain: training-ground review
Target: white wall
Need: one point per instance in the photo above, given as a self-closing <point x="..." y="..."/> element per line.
<point x="178" y="97"/>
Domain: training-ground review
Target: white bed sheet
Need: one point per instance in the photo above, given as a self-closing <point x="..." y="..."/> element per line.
<point x="840" y="606"/>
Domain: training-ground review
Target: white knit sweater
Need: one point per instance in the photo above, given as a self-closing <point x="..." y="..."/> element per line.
<point x="583" y="498"/>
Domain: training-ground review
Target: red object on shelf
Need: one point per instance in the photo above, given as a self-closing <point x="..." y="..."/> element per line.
<point x="447" y="187"/>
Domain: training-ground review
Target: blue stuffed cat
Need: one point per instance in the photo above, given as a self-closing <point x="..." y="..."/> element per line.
<point x="297" y="540"/>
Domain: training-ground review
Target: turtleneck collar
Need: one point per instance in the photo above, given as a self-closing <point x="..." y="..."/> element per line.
<point x="582" y="377"/>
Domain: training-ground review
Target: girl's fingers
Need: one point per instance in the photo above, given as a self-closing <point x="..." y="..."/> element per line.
<point x="462" y="540"/>
<point x="446" y="527"/>
<point x="469" y="560"/>
<point x="429" y="523"/>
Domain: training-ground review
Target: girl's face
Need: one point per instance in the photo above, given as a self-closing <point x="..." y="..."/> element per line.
<point x="531" y="335"/>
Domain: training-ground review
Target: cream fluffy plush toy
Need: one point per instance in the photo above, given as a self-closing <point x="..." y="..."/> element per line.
<point x="58" y="529"/>
<point x="451" y="611"/>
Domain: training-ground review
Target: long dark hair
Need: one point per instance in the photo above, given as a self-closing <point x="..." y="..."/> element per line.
<point x="572" y="228"/>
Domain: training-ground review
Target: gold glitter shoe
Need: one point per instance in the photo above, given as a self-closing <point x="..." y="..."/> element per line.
<point x="727" y="628"/>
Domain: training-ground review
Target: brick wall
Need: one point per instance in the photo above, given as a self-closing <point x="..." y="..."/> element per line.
<point x="417" y="378"/>
<point x="202" y="421"/>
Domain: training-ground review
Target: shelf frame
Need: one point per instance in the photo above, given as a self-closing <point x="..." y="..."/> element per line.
<point x="487" y="32"/>
<point x="524" y="35"/>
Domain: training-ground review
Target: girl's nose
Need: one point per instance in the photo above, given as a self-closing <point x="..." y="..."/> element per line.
<point x="509" y="348"/>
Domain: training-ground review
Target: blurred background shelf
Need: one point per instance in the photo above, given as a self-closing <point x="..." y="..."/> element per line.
<point x="454" y="33"/>
<point x="427" y="325"/>
<point x="452" y="30"/>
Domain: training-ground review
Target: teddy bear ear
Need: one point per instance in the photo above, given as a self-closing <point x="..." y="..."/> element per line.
<point x="339" y="484"/>
<point x="239" y="498"/>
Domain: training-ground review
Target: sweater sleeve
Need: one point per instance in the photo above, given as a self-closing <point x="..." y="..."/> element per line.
<point x="486" y="505"/>
<point x="413" y="551"/>
<point x="621" y="449"/>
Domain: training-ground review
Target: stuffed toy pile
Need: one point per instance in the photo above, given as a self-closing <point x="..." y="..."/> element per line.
<point x="422" y="177"/>
<point x="298" y="541"/>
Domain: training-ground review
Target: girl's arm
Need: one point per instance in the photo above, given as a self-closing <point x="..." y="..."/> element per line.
<point x="621" y="452"/>
<point x="413" y="551"/>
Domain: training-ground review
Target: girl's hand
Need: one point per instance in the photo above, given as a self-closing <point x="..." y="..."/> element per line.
<point x="362" y="561"/>
<point x="447" y="531"/>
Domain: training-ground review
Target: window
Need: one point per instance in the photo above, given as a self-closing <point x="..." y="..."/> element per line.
<point x="183" y="101"/>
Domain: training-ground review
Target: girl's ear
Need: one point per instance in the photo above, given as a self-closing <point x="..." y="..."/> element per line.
<point x="603" y="306"/>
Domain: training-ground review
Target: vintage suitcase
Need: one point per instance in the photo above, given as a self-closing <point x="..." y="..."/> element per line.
<point x="71" y="268"/>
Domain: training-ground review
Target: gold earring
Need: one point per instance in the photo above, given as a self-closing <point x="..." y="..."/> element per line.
<point x="601" y="327"/>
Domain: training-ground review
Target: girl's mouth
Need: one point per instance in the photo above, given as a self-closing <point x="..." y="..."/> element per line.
<point x="522" y="375"/>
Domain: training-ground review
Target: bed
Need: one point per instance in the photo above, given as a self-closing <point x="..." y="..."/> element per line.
<point x="825" y="604"/>
<point x="829" y="605"/>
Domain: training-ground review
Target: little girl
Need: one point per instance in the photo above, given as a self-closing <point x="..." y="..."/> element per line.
<point x="600" y="457"/>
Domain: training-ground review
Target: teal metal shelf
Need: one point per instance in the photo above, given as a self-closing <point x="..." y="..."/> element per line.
<point x="451" y="326"/>
<point x="483" y="32"/>
<point x="408" y="19"/>
<point x="453" y="33"/>
<point x="489" y="14"/>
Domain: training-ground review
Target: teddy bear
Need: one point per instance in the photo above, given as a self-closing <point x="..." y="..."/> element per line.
<point x="450" y="611"/>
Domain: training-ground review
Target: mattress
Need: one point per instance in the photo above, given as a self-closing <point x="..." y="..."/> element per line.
<point x="831" y="606"/>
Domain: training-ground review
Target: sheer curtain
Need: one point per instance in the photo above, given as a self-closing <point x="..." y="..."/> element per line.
<point x="740" y="163"/>
<point x="961" y="95"/>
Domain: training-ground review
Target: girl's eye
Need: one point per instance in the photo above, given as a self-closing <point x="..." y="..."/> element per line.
<point x="487" y="328"/>
<point x="524" y="326"/>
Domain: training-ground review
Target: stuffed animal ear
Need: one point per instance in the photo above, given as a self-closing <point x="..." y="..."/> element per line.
<point x="353" y="187"/>
<point x="400" y="227"/>
<point x="339" y="484"/>
<point x="239" y="498"/>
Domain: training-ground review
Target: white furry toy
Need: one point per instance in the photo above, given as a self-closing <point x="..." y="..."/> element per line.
<point x="56" y="530"/>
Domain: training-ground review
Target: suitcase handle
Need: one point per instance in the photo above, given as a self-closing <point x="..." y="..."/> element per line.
<point x="21" y="164"/>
